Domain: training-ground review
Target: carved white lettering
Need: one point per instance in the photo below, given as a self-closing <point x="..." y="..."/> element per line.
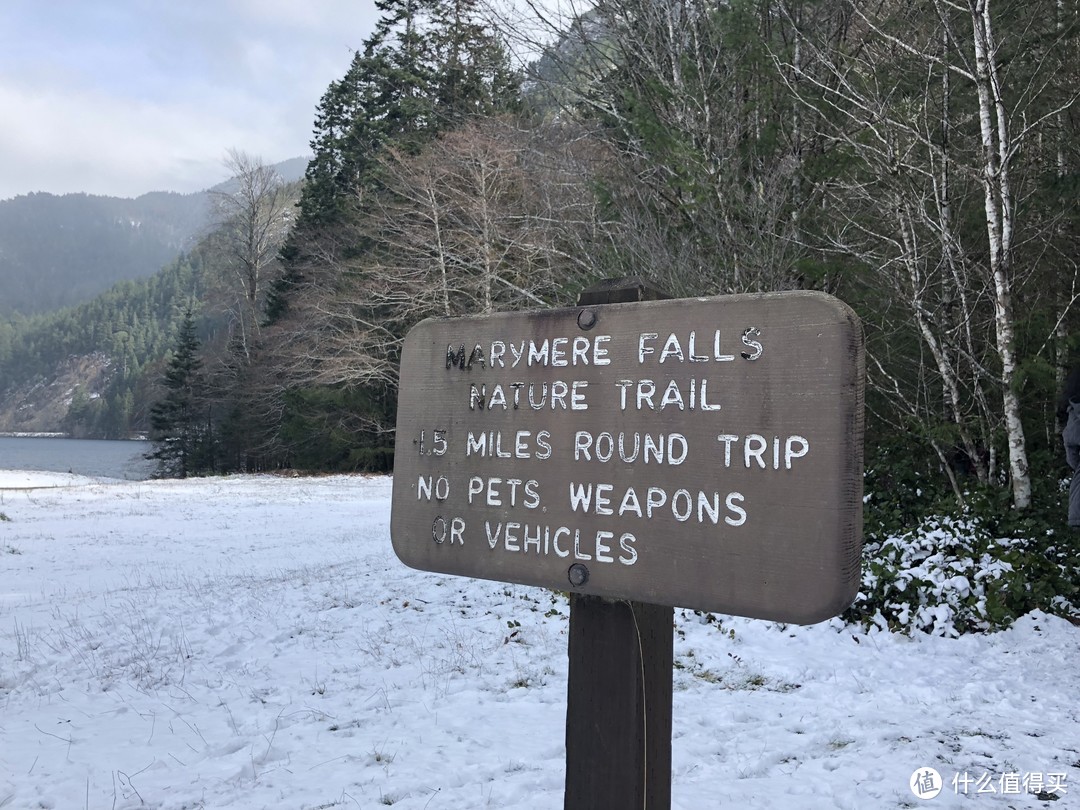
<point x="581" y="350"/>
<point x="600" y="353"/>
<point x="556" y="395"/>
<point x="538" y="353"/>
<point x="687" y="395"/>
<point x="740" y="513"/>
<point x="794" y="447"/>
<point x="543" y="448"/>
<point x="425" y="490"/>
<point x="603" y="501"/>
<point x="645" y="391"/>
<point x="437" y="446"/>
<point x="454" y="531"/>
<point x="498" y="398"/>
<point x="672" y="348"/>
<point x="754" y="448"/>
<point x="559" y="389"/>
<point x="510" y="538"/>
<point x="492" y="491"/>
<point x="691" y="350"/>
<point x="562" y="541"/>
<point x="630" y="503"/>
<point x="644" y="350"/>
<point x="783" y="450"/>
<point x="683" y="504"/>
<point x="559" y="532"/>
<point x="601" y="447"/>
<point x="605" y="447"/>
<point x="603" y="549"/>
<point x="672" y="396"/>
<point x="457" y="529"/>
<point x="580" y="353"/>
<point x="676" y="348"/>
<point x="529" y="540"/>
<point x="718" y="356"/>
<point x="558" y="351"/>
<point x="578" y="553"/>
<point x="748" y="340"/>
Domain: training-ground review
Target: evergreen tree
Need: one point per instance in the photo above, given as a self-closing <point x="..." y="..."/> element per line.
<point x="180" y="423"/>
<point x="127" y="330"/>
<point x="428" y="68"/>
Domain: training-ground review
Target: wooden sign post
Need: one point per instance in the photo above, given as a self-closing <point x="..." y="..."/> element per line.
<point x="641" y="454"/>
<point x="619" y="678"/>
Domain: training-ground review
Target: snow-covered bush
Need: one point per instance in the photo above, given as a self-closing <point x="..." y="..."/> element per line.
<point x="949" y="576"/>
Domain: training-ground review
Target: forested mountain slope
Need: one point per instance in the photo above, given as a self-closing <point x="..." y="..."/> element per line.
<point x="82" y="370"/>
<point x="92" y="369"/>
<point x="61" y="250"/>
<point x="56" y="251"/>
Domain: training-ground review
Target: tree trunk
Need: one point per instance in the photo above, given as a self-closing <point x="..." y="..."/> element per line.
<point x="998" y="203"/>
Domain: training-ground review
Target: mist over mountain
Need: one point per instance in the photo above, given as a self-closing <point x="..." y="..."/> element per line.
<point x="57" y="251"/>
<point x="92" y="290"/>
<point x="61" y="250"/>
<point x="288" y="170"/>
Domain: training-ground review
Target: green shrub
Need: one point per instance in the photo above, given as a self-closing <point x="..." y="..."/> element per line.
<point x="951" y="575"/>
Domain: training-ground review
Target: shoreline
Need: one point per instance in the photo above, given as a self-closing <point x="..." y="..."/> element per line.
<point x="43" y="435"/>
<point x="24" y="480"/>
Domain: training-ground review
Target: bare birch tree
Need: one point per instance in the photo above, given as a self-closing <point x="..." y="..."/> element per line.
<point x="483" y="220"/>
<point x="254" y="214"/>
<point x="708" y="151"/>
<point x="897" y="96"/>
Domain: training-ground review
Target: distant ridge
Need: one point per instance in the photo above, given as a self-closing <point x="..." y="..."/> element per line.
<point x="57" y="251"/>
<point x="289" y="170"/>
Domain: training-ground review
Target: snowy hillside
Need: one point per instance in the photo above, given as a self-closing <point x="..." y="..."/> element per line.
<point x="253" y="642"/>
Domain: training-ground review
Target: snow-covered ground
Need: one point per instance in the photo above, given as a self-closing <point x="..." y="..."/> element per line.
<point x="252" y="642"/>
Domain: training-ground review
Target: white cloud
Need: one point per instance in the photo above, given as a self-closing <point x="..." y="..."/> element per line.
<point x="323" y="16"/>
<point x="64" y="142"/>
<point x="126" y="97"/>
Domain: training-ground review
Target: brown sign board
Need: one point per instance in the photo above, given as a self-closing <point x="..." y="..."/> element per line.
<point x="703" y="453"/>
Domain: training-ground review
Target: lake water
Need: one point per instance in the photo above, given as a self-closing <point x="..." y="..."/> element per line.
<point x="93" y="457"/>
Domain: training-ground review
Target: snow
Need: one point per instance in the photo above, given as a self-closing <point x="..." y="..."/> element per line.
<point x="252" y="642"/>
<point x="34" y="479"/>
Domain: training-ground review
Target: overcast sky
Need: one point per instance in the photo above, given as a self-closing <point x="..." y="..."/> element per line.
<point x="122" y="97"/>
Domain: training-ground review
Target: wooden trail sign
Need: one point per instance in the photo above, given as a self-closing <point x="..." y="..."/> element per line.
<point x="642" y="454"/>
<point x="703" y="453"/>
